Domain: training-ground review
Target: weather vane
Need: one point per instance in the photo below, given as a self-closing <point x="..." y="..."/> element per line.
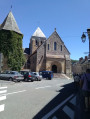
<point x="11" y="7"/>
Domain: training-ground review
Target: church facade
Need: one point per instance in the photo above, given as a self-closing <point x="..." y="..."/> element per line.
<point x="49" y="54"/>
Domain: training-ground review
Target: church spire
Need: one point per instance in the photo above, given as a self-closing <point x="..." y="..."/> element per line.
<point x="10" y="23"/>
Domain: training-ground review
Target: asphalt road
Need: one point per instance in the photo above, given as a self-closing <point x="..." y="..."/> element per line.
<point x="34" y="100"/>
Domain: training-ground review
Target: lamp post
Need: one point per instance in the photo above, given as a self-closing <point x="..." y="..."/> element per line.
<point x="84" y="39"/>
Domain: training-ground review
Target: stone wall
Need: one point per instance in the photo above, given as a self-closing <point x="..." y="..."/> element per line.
<point x="33" y="61"/>
<point x="55" y="38"/>
<point x="60" y="63"/>
<point x="41" y="58"/>
<point x="33" y="45"/>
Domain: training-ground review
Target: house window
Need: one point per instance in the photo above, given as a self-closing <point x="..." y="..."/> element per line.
<point x="36" y="42"/>
<point x="55" y="46"/>
<point x="61" y="47"/>
<point x="48" y="46"/>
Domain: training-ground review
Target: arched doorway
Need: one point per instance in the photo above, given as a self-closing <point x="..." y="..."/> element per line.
<point x="54" y="69"/>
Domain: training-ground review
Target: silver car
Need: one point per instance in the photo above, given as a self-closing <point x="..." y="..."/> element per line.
<point x="38" y="76"/>
<point x="11" y="76"/>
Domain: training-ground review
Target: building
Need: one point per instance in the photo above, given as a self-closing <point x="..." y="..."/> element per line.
<point x="49" y="54"/>
<point x="10" y="42"/>
<point x="81" y="66"/>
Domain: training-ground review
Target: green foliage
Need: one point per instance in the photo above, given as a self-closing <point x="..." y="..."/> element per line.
<point x="73" y="61"/>
<point x="11" y="47"/>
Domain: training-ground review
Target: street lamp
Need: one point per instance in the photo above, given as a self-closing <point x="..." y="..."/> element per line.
<point x="84" y="38"/>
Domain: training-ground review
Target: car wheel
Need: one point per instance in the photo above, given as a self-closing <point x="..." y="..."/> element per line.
<point x="18" y="80"/>
<point x="36" y="79"/>
<point x="10" y="79"/>
<point x="26" y="79"/>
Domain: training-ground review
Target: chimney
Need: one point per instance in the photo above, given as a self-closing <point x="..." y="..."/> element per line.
<point x="85" y="58"/>
<point x="80" y="59"/>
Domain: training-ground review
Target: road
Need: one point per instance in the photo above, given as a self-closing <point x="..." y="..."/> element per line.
<point x="37" y="100"/>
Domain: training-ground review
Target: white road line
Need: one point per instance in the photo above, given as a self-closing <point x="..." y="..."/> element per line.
<point x="56" y="108"/>
<point x="3" y="87"/>
<point x="69" y="112"/>
<point x="2" y="98"/>
<point x="2" y="107"/>
<point x="73" y="101"/>
<point x="3" y="91"/>
<point x="54" y="117"/>
<point x="42" y="87"/>
<point x="14" y="92"/>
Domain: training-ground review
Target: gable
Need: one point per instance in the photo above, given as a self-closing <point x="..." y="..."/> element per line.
<point x="50" y="43"/>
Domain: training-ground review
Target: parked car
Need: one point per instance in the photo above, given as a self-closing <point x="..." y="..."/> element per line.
<point x="38" y="76"/>
<point x="28" y="76"/>
<point x="47" y="74"/>
<point x="11" y="76"/>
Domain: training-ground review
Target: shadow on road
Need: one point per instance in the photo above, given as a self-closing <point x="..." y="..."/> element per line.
<point x="65" y="92"/>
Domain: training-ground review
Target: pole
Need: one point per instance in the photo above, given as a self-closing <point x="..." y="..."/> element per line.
<point x="88" y="31"/>
<point x="89" y="47"/>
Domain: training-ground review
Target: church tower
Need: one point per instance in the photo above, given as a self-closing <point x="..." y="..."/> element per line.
<point x="36" y="40"/>
<point x="11" y="44"/>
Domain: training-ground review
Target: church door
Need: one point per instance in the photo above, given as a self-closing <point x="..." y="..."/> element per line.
<point x="54" y="69"/>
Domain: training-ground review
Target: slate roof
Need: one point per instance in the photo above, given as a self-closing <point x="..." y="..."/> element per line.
<point x="10" y="24"/>
<point x="39" y="33"/>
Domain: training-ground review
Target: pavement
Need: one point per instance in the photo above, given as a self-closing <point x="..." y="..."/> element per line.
<point x="80" y="112"/>
<point x="71" y="108"/>
<point x="5" y="83"/>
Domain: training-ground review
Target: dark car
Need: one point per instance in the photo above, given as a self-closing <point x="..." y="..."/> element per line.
<point x="47" y="74"/>
<point x="28" y="76"/>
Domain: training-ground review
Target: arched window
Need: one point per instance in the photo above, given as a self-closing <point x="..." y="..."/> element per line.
<point x="48" y="46"/>
<point x="61" y="47"/>
<point x="55" y="46"/>
<point x="36" y="42"/>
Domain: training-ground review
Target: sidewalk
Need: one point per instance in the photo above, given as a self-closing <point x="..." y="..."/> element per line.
<point x="79" y="111"/>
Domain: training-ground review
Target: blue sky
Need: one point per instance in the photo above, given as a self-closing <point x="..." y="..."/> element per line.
<point x="70" y="18"/>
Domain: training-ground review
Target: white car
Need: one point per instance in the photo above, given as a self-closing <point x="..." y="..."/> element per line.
<point x="38" y="76"/>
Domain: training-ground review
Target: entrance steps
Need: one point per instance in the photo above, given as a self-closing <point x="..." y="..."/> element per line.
<point x="60" y="75"/>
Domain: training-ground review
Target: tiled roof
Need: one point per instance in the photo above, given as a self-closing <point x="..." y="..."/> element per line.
<point x="10" y="23"/>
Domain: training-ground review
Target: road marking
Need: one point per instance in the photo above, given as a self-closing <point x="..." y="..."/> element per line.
<point x="43" y="87"/>
<point x="3" y="87"/>
<point x="73" y="101"/>
<point x="3" y="91"/>
<point x="2" y="107"/>
<point x="2" y="98"/>
<point x="69" y="112"/>
<point x="57" y="107"/>
<point x="14" y="92"/>
<point x="54" y="117"/>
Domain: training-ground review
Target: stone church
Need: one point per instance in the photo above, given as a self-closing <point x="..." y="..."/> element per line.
<point x="49" y="54"/>
<point x="43" y="54"/>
